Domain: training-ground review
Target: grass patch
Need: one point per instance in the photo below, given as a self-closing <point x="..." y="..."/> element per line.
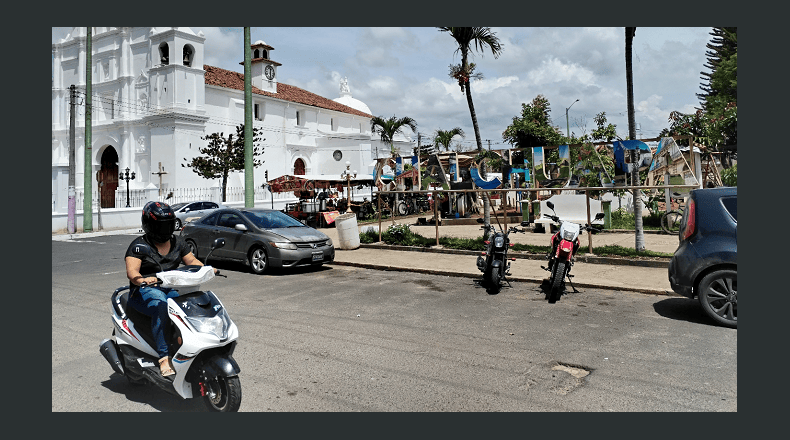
<point x="401" y="235"/>
<point x="621" y="219"/>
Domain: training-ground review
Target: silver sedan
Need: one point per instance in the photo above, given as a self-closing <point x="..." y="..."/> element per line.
<point x="260" y="238"/>
<point x="197" y="209"/>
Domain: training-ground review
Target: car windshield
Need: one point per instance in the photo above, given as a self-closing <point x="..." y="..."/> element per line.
<point x="177" y="206"/>
<point x="272" y="219"/>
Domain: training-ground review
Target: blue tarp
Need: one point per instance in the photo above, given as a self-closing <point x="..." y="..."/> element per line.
<point x="620" y="167"/>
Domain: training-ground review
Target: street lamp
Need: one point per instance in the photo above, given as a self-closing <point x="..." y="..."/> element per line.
<point x="348" y="175"/>
<point x="127" y="178"/>
<point x="567" y="125"/>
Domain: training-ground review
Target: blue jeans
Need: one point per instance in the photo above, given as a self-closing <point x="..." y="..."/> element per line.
<point x="152" y="301"/>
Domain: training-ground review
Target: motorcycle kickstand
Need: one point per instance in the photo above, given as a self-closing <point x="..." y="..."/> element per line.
<point x="571" y="283"/>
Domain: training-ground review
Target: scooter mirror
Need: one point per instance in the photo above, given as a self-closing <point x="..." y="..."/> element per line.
<point x="550" y="205"/>
<point x="599" y="216"/>
<point x="218" y="243"/>
<point x="525" y="223"/>
<point x="481" y="220"/>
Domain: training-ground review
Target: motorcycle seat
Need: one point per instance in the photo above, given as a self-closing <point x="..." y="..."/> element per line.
<point x="142" y="323"/>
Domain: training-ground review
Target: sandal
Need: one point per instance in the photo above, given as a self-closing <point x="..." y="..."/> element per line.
<point x="166" y="366"/>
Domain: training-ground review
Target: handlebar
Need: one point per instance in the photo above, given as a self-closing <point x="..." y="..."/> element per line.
<point x="144" y="284"/>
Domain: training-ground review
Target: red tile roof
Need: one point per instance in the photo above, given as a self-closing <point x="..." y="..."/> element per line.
<point x="233" y="80"/>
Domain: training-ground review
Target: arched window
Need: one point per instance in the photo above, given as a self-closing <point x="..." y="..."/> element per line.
<point x="299" y="167"/>
<point x="189" y="53"/>
<point x="164" y="54"/>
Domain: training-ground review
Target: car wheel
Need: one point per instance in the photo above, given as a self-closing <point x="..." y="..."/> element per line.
<point x="192" y="248"/>
<point x="179" y="224"/>
<point x="258" y="260"/>
<point x="718" y="294"/>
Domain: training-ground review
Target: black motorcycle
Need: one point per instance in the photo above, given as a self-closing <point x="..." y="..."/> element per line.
<point x="494" y="262"/>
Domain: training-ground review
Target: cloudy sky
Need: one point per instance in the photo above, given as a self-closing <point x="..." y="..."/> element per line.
<point x="404" y="72"/>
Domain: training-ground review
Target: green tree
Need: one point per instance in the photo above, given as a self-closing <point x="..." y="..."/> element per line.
<point x="467" y="39"/>
<point x="715" y="124"/>
<point x="223" y="155"/>
<point x="442" y="138"/>
<point x="595" y="159"/>
<point x="721" y="83"/>
<point x="532" y="128"/>
<point x="388" y="128"/>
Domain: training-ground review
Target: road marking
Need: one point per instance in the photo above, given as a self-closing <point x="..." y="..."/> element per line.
<point x="110" y="273"/>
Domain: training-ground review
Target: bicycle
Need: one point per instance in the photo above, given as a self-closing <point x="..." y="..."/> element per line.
<point x="670" y="221"/>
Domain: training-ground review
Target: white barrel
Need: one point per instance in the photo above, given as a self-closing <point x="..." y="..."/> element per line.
<point x="347" y="231"/>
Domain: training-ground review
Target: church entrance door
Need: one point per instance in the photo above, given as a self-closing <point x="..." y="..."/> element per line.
<point x="299" y="167"/>
<point x="108" y="177"/>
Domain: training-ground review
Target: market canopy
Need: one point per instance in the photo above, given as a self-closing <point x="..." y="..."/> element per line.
<point x="307" y="182"/>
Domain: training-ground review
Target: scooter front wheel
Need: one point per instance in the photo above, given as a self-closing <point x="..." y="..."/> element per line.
<point x="222" y="394"/>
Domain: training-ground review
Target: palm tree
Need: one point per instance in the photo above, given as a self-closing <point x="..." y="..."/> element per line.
<point x="469" y="38"/>
<point x="387" y="129"/>
<point x="639" y="243"/>
<point x="442" y="138"/>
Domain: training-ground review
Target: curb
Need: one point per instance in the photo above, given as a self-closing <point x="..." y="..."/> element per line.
<point x="67" y="237"/>
<point x="511" y="278"/>
<point x="527" y="256"/>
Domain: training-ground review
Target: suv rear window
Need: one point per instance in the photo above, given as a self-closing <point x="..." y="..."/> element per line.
<point x="731" y="204"/>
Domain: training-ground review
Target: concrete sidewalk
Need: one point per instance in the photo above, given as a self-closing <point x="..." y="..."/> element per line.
<point x="635" y="276"/>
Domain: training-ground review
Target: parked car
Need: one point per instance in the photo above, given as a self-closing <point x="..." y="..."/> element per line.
<point x="259" y="237"/>
<point x="705" y="264"/>
<point x="189" y="210"/>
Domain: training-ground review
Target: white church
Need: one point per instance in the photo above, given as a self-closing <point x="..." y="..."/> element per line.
<point x="153" y="99"/>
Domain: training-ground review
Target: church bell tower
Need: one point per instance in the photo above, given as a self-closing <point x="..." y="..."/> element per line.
<point x="263" y="69"/>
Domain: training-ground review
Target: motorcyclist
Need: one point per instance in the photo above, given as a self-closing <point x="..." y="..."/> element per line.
<point x="158" y="222"/>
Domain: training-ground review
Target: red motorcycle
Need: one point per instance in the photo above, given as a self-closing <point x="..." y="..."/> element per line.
<point x="564" y="244"/>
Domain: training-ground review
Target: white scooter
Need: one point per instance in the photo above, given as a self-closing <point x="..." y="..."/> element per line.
<point x="201" y="336"/>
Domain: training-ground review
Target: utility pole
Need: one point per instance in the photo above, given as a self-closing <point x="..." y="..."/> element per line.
<point x="249" y="181"/>
<point x="419" y="172"/>
<point x="489" y="144"/>
<point x="87" y="210"/>
<point x="71" y="226"/>
<point x="567" y="124"/>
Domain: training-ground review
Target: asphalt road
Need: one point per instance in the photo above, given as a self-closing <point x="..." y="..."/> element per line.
<point x="347" y="339"/>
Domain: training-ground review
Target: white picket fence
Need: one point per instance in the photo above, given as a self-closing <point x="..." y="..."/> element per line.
<point x="139" y="197"/>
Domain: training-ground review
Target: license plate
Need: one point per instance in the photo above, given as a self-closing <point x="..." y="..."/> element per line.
<point x="318" y="256"/>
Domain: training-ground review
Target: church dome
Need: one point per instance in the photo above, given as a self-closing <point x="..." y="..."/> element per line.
<point x="346" y="99"/>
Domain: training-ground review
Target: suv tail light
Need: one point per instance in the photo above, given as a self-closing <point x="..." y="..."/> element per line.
<point x="689" y="225"/>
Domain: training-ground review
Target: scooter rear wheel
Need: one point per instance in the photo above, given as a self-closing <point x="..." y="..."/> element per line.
<point x="226" y="394"/>
<point x="556" y="281"/>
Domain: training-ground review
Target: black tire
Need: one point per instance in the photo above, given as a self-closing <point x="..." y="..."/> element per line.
<point x="557" y="275"/>
<point x="227" y="394"/>
<point x="179" y="224"/>
<point x="495" y="281"/>
<point x="258" y="260"/>
<point x="402" y="208"/>
<point x="718" y="295"/>
<point x="192" y="247"/>
<point x="670" y="222"/>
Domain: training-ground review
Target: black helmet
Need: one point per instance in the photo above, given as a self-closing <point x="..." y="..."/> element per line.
<point x="159" y="221"/>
